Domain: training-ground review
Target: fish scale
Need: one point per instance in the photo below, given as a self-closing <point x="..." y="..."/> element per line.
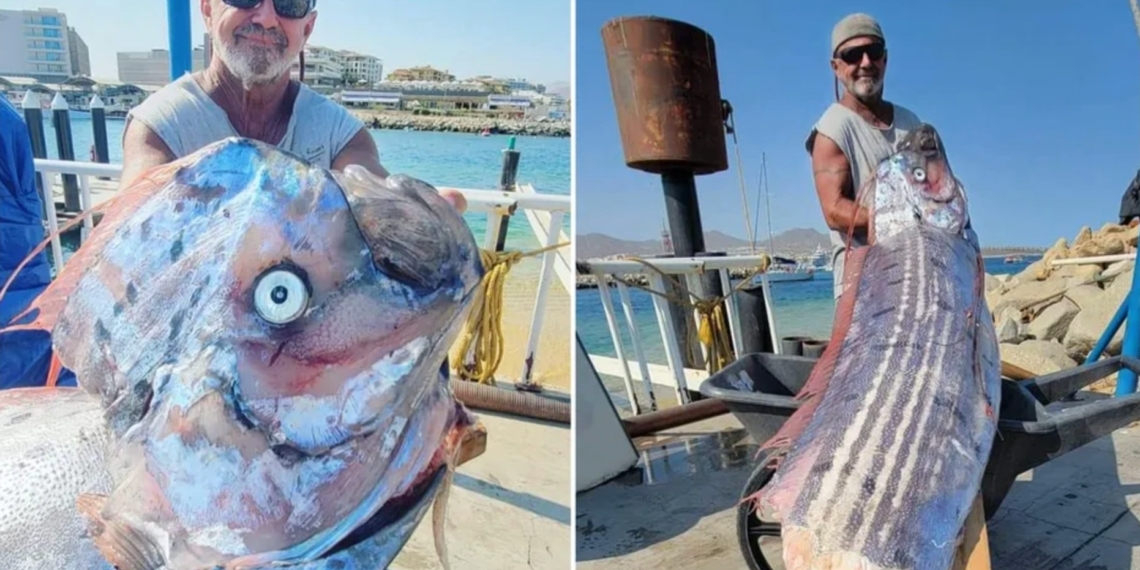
<point x="59" y="445"/>
<point x="880" y="467"/>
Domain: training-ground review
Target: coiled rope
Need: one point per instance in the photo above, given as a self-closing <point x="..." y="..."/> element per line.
<point x="483" y="330"/>
<point x="712" y="326"/>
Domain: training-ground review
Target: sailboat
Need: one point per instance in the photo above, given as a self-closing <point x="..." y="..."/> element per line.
<point x="783" y="269"/>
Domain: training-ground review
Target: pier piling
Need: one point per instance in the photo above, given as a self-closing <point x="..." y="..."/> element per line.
<point x="61" y="122"/>
<point x="34" y="117"/>
<point x="507" y="178"/>
<point x="99" y="131"/>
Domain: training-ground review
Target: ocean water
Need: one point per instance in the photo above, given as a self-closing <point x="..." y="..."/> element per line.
<point x="442" y="159"/>
<point x="800" y="308"/>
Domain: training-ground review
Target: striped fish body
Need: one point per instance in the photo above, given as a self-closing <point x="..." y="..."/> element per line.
<point x="901" y="412"/>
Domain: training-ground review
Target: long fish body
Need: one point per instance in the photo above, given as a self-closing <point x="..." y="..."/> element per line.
<point x="260" y="348"/>
<point x="881" y="464"/>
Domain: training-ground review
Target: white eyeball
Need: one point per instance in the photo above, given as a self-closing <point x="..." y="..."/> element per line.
<point x="280" y="296"/>
<point x="919" y="174"/>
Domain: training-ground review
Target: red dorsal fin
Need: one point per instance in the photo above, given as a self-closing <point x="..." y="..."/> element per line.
<point x="824" y="369"/>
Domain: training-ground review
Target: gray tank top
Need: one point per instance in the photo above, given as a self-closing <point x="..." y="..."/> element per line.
<point x="865" y="146"/>
<point x="186" y="119"/>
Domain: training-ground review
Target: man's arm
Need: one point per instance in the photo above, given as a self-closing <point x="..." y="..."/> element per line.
<point x="832" y="173"/>
<point x="142" y="150"/>
<point x="360" y="150"/>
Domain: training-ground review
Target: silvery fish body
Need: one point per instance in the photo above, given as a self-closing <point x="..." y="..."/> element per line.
<point x="881" y="465"/>
<point x="260" y="348"/>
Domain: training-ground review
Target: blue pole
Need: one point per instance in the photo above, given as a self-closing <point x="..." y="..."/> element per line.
<point x="178" y="20"/>
<point x="1126" y="378"/>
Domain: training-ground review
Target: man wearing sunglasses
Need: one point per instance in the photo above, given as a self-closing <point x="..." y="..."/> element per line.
<point x="247" y="91"/>
<point x="854" y="134"/>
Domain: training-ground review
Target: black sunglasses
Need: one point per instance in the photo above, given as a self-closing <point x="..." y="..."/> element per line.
<point x="291" y="9"/>
<point x="852" y="56"/>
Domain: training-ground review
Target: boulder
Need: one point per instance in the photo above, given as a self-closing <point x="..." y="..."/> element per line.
<point x="1114" y="270"/>
<point x="1037" y="356"/>
<point x="1096" y="311"/>
<point x="993" y="283"/>
<point x="1027" y="293"/>
<point x="1053" y="322"/>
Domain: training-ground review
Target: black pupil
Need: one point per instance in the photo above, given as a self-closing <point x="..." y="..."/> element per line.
<point x="279" y="294"/>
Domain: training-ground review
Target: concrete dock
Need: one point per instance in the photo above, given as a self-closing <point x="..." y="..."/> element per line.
<point x="510" y="507"/>
<point x="677" y="509"/>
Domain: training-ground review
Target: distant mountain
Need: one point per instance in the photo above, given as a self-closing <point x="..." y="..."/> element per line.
<point x="561" y="88"/>
<point x="792" y="242"/>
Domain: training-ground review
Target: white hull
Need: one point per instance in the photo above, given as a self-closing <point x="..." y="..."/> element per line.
<point x="787" y="276"/>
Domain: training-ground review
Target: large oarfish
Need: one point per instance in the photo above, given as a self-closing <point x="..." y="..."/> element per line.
<point x="260" y="347"/>
<point x="883" y="461"/>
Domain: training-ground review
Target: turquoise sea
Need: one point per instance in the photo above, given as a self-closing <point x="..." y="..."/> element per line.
<point x="442" y="159"/>
<point x="803" y="308"/>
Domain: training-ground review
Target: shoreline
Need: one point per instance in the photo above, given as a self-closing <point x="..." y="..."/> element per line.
<point x="405" y="121"/>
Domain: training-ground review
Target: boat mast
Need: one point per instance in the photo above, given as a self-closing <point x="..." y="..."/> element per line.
<point x="767" y="203"/>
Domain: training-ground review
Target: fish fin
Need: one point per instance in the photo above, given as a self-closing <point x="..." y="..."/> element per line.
<point x="120" y="545"/>
<point x="53" y="371"/>
<point x="50" y="303"/>
<point x="464" y="422"/>
<point x="824" y="369"/>
<point x="439" y="518"/>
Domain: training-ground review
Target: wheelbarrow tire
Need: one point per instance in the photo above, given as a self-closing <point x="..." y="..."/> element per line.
<point x="748" y="527"/>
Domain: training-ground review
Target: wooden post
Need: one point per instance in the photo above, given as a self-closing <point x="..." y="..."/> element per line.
<point x="974" y="552"/>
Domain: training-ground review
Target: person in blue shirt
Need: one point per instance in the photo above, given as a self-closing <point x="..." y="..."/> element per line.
<point x="24" y="355"/>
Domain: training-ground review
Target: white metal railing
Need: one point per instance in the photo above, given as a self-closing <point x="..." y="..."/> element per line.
<point x="544" y="213"/>
<point x="674" y="374"/>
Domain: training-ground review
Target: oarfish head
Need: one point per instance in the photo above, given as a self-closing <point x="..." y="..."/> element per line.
<point x="270" y="342"/>
<point x="916" y="187"/>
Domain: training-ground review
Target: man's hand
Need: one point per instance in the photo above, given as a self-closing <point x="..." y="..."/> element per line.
<point x="832" y="173"/>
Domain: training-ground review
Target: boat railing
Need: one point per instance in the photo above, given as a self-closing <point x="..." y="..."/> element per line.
<point x="543" y="212"/>
<point x="673" y="374"/>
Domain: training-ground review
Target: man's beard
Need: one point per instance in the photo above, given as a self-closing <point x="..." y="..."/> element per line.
<point x="254" y="64"/>
<point x="865" y="89"/>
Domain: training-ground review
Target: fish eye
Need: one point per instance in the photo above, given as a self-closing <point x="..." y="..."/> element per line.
<point x="919" y="174"/>
<point x="280" y="296"/>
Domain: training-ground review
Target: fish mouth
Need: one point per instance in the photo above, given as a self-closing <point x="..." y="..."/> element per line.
<point x="397" y="512"/>
<point x="378" y="540"/>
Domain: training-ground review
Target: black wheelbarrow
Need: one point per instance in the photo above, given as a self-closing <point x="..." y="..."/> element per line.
<point x="1034" y="426"/>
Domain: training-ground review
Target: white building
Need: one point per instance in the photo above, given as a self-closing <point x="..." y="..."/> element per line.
<point x="323" y="71"/>
<point x="80" y="56"/>
<point x="34" y="43"/>
<point x="153" y="67"/>
<point x="360" y="68"/>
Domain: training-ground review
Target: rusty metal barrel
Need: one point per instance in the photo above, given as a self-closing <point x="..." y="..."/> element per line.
<point x="666" y="89"/>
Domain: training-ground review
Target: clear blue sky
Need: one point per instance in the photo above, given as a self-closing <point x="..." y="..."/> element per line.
<point x="1038" y="103"/>
<point x="504" y="38"/>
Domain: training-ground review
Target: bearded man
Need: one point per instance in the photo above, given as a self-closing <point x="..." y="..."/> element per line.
<point x="854" y="134"/>
<point x="247" y="91"/>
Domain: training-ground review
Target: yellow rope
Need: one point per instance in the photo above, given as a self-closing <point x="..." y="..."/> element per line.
<point x="712" y="328"/>
<point x="483" y="329"/>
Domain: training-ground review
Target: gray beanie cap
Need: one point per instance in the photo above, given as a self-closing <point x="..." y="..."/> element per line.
<point x="854" y="26"/>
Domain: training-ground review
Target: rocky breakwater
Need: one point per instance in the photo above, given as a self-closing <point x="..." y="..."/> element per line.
<point x="461" y="124"/>
<point x="1049" y="317"/>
